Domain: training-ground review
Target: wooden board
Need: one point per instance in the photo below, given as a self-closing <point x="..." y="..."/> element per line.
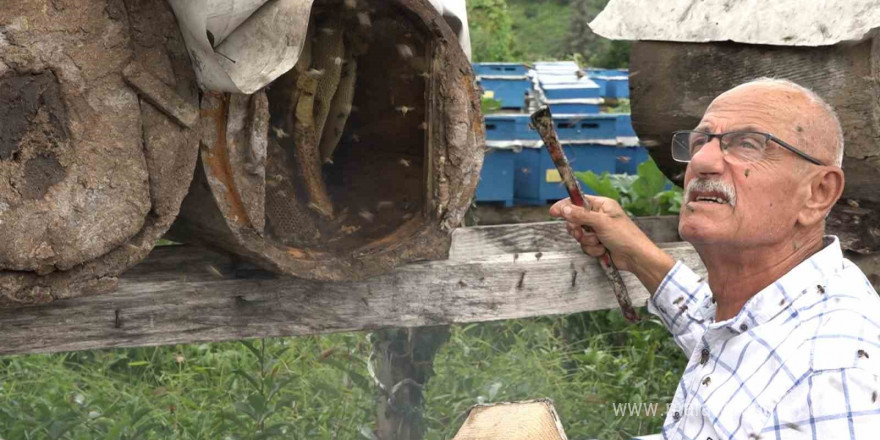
<point x="186" y="295"/>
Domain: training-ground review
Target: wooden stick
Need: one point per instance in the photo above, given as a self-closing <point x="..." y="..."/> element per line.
<point x="543" y="122"/>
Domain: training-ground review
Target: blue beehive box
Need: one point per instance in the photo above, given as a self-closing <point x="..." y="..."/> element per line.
<point x="496" y="177"/>
<point x="500" y="69"/>
<point x="586" y="127"/>
<point x="613" y="83"/>
<point x="509" y="127"/>
<point x="537" y="182"/>
<point x="511" y="92"/>
<point x="629" y="158"/>
<point x="571" y="91"/>
<point x="617" y="88"/>
<point x="575" y="106"/>
<point x="624" y="125"/>
<point x="505" y="82"/>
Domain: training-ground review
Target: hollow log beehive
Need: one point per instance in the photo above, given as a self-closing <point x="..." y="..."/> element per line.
<point x="97" y="105"/>
<point x="362" y="157"/>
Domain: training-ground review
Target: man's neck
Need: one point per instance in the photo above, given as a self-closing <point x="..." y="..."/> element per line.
<point x="736" y="274"/>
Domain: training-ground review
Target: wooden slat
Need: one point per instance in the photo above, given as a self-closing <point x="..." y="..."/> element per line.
<point x="185" y="295"/>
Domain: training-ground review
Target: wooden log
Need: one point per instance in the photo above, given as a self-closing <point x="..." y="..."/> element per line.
<point x="398" y="182"/>
<point x="529" y="420"/>
<point x="673" y="83"/>
<point x="92" y="168"/>
<point x="185" y="295"/>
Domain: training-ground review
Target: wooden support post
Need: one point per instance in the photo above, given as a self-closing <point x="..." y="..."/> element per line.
<point x="403" y="361"/>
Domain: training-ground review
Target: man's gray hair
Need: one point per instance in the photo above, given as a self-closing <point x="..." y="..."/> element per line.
<point x="814" y="98"/>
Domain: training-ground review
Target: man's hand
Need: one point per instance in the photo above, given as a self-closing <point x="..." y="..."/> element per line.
<point x="615" y="233"/>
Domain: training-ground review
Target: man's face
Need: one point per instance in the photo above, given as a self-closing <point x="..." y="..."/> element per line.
<point x="769" y="192"/>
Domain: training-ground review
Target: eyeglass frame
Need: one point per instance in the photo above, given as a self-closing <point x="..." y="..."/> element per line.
<point x="768" y="136"/>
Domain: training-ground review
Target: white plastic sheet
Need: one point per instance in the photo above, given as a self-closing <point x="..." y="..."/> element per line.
<point x="779" y="22"/>
<point x="254" y="41"/>
<point x="455" y="13"/>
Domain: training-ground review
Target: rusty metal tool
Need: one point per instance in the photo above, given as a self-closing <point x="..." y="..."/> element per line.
<point x="542" y="120"/>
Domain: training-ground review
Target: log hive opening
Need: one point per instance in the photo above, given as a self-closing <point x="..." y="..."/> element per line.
<point x="371" y="153"/>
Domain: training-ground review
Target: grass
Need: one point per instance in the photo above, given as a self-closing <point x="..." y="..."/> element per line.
<point x="319" y="387"/>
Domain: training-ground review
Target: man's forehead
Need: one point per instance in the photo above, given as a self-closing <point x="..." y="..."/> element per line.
<point x="756" y="107"/>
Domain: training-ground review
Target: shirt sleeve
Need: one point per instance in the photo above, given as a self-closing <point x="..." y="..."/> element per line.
<point x="678" y="302"/>
<point x="829" y="404"/>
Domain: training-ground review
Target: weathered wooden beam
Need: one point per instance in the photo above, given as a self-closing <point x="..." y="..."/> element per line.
<point x="185" y="295"/>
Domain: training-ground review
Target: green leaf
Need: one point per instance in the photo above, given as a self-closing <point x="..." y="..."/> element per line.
<point x="600" y="185"/>
<point x="250" y="346"/>
<point x="650" y="181"/>
<point x="247" y="376"/>
<point x="138" y="363"/>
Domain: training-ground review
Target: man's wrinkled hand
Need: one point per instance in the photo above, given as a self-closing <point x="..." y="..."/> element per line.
<point x="613" y="231"/>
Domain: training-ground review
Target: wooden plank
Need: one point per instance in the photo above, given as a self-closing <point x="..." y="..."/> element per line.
<point x="543" y="236"/>
<point x="661" y="229"/>
<point x="186" y="295"/>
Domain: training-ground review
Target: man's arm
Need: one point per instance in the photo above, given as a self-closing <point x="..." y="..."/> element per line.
<point x="676" y="291"/>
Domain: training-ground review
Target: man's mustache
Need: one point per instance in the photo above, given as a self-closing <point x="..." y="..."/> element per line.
<point x="701" y="186"/>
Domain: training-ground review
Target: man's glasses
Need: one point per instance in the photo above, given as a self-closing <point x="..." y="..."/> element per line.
<point x="746" y="146"/>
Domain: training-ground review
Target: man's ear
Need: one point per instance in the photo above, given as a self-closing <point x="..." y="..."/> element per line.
<point x="825" y="189"/>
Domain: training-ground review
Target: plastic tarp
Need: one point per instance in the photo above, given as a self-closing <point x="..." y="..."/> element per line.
<point x="455" y="13"/>
<point x="781" y="22"/>
<point x="241" y="46"/>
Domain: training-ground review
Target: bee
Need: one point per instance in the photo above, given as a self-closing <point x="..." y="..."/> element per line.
<point x="214" y="271"/>
<point x="280" y="133"/>
<point x="364" y="19"/>
<point x="405" y="50"/>
<point x="404" y="162"/>
<point x="404" y="109"/>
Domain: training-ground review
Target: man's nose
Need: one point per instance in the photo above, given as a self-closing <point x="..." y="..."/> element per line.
<point x="709" y="160"/>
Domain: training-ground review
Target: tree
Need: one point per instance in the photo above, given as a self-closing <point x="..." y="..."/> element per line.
<point x="491" y="29"/>
<point x="586" y="45"/>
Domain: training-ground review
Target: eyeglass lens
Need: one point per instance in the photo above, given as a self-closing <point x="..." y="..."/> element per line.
<point x="745" y="146"/>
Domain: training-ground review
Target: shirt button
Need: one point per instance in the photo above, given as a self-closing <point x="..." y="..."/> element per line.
<point x="704" y="356"/>
<point x="676" y="417"/>
<point x="743" y="327"/>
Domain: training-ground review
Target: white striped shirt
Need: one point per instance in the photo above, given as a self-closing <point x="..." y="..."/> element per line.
<point x="800" y="361"/>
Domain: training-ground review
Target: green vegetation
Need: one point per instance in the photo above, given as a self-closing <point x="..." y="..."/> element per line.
<point x="620" y="106"/>
<point x="489" y="105"/>
<point x="541" y="30"/>
<point x="640" y="195"/>
<point x="491" y="28"/>
<point x="319" y="387"/>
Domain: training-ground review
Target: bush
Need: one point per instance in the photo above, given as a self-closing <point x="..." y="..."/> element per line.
<point x="641" y="195"/>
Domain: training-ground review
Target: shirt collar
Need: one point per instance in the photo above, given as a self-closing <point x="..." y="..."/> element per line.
<point x="811" y="273"/>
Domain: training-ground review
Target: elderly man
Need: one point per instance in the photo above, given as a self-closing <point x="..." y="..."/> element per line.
<point x="782" y="336"/>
